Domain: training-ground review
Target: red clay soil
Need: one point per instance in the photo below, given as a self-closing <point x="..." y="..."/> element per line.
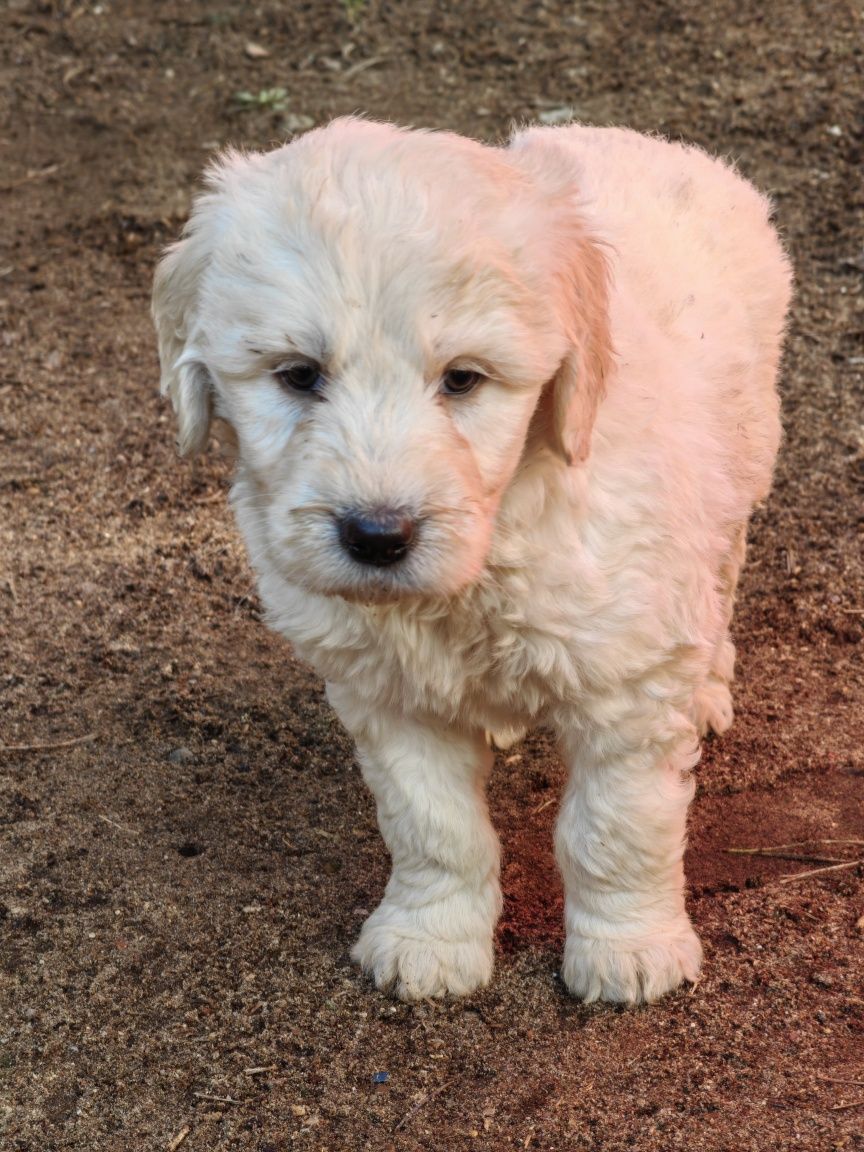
<point x="180" y="888"/>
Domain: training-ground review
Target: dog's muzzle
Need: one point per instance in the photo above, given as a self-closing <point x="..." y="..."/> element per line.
<point x="380" y="537"/>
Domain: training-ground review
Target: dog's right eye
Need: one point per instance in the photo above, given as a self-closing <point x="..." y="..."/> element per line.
<point x="460" y="381"/>
<point x="301" y="376"/>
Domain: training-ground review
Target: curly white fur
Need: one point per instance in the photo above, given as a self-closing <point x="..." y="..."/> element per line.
<point x="582" y="513"/>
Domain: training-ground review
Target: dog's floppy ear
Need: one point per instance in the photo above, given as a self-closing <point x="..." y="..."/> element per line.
<point x="184" y="376"/>
<point x="580" y="381"/>
<point x="578" y="275"/>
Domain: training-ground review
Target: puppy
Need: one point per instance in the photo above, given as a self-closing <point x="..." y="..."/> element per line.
<point x="502" y="415"/>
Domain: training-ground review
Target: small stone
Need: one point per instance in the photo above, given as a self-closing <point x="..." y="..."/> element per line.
<point x="553" y="116"/>
<point x="297" y="122"/>
<point x="822" y="980"/>
<point x="181" y="756"/>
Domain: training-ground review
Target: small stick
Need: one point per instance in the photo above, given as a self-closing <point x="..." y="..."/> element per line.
<point x="834" y="1080"/>
<point x="114" y="824"/>
<point x="356" y="69"/>
<point x="787" y="847"/>
<point x="260" y="1071"/>
<point x="771" y="854"/>
<point x="843" y="1107"/>
<point x="541" y="807"/>
<point x="49" y="746"/>
<point x="32" y="174"/>
<point x="179" y="1138"/>
<point x="820" y="871"/>
<point x="421" y="1103"/>
<point x="215" y="1099"/>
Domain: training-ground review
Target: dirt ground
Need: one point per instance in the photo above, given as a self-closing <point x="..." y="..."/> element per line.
<point x="180" y="888"/>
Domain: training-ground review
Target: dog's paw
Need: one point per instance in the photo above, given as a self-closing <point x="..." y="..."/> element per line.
<point x="411" y="964"/>
<point x="632" y="971"/>
<point x="712" y="707"/>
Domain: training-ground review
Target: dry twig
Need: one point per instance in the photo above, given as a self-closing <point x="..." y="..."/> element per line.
<point x="50" y="746"/>
<point x="768" y="848"/>
<point x="421" y="1103"/>
<point x="114" y="824"/>
<point x="787" y="852"/>
<point x="32" y="174"/>
<point x="820" y="871"/>
<point x="362" y="66"/>
<point x="770" y="854"/>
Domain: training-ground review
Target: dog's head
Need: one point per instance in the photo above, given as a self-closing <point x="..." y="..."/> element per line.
<point x="377" y="313"/>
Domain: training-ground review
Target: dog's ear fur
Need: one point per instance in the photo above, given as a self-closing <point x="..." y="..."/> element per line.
<point x="184" y="375"/>
<point x="578" y="273"/>
<point x="579" y="384"/>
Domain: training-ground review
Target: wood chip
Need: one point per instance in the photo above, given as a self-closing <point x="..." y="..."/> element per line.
<point x="179" y="1138"/>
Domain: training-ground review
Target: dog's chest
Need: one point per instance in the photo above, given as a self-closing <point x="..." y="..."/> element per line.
<point x="494" y="659"/>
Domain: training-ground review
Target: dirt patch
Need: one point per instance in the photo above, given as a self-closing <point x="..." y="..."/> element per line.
<point x="178" y="895"/>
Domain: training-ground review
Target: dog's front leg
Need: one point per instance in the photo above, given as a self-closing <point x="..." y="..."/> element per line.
<point x="620" y="846"/>
<point x="432" y="933"/>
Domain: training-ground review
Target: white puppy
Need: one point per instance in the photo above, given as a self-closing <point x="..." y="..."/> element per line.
<point x="502" y="416"/>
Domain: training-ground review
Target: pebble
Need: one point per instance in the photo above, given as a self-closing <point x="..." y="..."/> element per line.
<point x="297" y="122"/>
<point x="552" y="116"/>
<point x="181" y="756"/>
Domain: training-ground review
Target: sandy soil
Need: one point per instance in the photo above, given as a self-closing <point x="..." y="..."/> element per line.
<point x="180" y="888"/>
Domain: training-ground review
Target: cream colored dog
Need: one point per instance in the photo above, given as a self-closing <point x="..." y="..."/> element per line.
<point x="502" y="415"/>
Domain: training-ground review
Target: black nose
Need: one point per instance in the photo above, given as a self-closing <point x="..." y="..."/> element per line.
<point x="380" y="537"/>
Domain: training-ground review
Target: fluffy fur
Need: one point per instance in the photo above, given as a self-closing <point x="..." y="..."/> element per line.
<point x="582" y="513"/>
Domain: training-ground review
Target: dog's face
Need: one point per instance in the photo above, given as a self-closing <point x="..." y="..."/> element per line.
<point x="376" y="313"/>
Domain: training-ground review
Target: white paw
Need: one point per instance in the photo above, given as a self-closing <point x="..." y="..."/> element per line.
<point x="413" y="964"/>
<point x="712" y="706"/>
<point x="632" y="971"/>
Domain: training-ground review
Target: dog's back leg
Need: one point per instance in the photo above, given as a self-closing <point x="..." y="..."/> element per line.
<point x="712" y="700"/>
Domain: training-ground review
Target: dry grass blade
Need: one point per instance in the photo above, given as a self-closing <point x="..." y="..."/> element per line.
<point x="820" y="871"/>
<point x="421" y="1103"/>
<point x="767" y="849"/>
<point x="49" y="746"/>
<point x="32" y="174"/>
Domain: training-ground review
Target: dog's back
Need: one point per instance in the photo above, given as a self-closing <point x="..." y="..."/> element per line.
<point x="700" y="283"/>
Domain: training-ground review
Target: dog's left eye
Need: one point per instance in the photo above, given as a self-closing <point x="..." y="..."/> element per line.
<point x="460" y="381"/>
<point x="301" y="376"/>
